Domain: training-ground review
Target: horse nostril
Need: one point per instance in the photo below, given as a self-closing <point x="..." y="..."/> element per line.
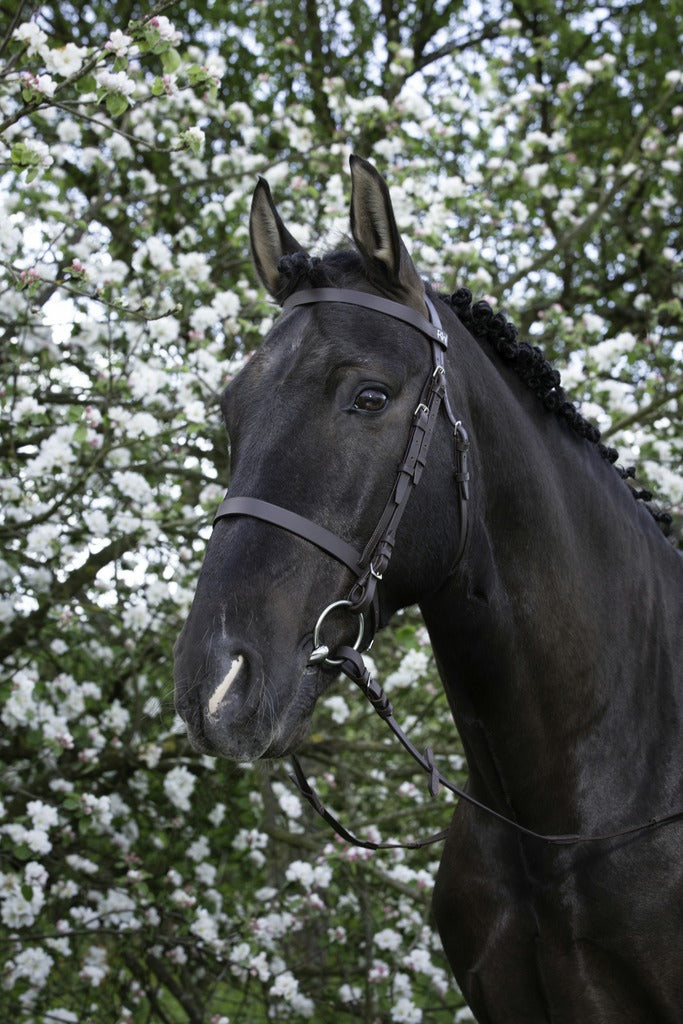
<point x="223" y="687"/>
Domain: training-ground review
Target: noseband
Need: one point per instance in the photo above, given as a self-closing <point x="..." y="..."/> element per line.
<point x="372" y="562"/>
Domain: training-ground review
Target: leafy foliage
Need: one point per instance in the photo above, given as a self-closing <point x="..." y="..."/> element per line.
<point x="534" y="155"/>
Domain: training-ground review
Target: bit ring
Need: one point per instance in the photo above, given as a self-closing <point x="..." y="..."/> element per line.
<point x="320" y="652"/>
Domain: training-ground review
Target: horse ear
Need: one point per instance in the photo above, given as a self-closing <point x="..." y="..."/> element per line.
<point x="270" y="239"/>
<point x="375" y="232"/>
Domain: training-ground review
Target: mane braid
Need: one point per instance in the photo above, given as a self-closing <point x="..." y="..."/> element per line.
<point x="532" y="367"/>
<point x="298" y="270"/>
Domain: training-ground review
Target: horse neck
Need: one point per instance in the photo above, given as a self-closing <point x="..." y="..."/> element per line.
<point x="544" y="635"/>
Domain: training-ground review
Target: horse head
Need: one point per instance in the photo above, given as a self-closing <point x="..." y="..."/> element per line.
<point x="318" y="421"/>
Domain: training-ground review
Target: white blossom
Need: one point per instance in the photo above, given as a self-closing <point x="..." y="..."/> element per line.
<point x="32" y="35"/>
<point x="195" y="138"/>
<point x="165" y="28"/>
<point x="116" y="909"/>
<point x="199" y="850"/>
<point x="388" y="938"/>
<point x="290" y="804"/>
<point x="20" y="707"/>
<point x="55" y="452"/>
<point x="98" y="807"/>
<point x="142" y="424"/>
<point x="413" y="666"/>
<point x="217" y="814"/>
<point x="43" y="816"/>
<point x="119" y="43"/>
<point x="115" y="717"/>
<point x="404" y="1011"/>
<point x="65" y="60"/>
<point x="226" y="304"/>
<point x="193" y="267"/>
<point x="136" y="618"/>
<point x="78" y="863"/>
<point x="350" y="993"/>
<point x="250" y="839"/>
<point x="533" y="174"/>
<point x="204" y="926"/>
<point x="115" y="82"/>
<point x="206" y="874"/>
<point x="134" y="486"/>
<point x="32" y="963"/>
<point x="338" y="708"/>
<point x="179" y="785"/>
<point x="95" y="967"/>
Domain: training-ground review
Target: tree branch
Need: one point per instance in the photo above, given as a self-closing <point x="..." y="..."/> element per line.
<point x="610" y="189"/>
<point x="65" y="591"/>
<point x="642" y="415"/>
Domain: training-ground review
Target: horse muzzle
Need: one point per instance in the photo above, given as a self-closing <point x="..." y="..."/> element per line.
<point x="236" y="707"/>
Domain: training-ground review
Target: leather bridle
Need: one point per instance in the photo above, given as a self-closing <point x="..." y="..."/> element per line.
<point x="370" y="565"/>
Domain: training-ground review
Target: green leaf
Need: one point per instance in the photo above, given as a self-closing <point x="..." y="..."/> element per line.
<point x="20" y="155"/>
<point x="195" y="74"/>
<point x="406" y="635"/>
<point x="86" y="84"/>
<point x="170" y="60"/>
<point x="116" y="104"/>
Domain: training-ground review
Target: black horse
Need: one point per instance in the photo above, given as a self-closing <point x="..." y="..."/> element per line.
<point x="552" y="600"/>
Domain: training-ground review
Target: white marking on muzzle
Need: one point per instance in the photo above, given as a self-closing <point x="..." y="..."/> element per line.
<point x="222" y="688"/>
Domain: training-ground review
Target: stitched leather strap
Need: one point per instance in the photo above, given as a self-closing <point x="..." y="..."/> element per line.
<point x="293" y="523"/>
<point x="397" y="310"/>
<point x="353" y="666"/>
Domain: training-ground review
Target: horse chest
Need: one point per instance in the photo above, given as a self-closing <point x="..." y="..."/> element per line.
<point x="554" y="944"/>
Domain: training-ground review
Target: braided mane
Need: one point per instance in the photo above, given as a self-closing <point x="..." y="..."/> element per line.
<point x="528" y="362"/>
<point x="341" y="268"/>
<point x="533" y="368"/>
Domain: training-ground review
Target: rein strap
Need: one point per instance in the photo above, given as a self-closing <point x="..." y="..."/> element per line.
<point x="353" y="666"/>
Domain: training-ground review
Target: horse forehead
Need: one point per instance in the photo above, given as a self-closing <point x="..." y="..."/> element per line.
<point x="307" y="345"/>
<point x="294" y="349"/>
<point x="321" y="335"/>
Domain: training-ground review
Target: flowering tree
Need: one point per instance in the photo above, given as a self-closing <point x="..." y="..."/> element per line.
<point x="535" y="156"/>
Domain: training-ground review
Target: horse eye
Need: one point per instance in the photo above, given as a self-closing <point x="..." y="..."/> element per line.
<point x="371" y="400"/>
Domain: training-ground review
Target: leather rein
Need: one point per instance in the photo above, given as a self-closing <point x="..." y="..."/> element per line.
<point x="370" y="565"/>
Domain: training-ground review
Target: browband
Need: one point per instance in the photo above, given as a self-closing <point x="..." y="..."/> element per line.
<point x="397" y="310"/>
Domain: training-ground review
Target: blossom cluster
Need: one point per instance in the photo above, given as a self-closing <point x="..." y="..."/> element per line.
<point x="130" y="864"/>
